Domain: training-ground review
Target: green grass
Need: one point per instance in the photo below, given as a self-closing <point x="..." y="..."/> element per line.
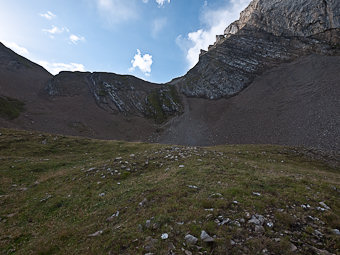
<point x="50" y="203"/>
<point x="10" y="108"/>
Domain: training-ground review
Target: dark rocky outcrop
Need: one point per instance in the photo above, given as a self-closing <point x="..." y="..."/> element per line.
<point x="119" y="94"/>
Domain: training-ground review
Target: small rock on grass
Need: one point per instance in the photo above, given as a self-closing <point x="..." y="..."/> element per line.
<point x="206" y="238"/>
<point x="192" y="187"/>
<point x="293" y="248"/>
<point x="98" y="233"/>
<point x="336" y="231"/>
<point x="259" y="229"/>
<point x="113" y="216"/>
<point x="324" y="205"/>
<point x="190" y="239"/>
<point x="148" y="224"/>
<point x="164" y="236"/>
<point x="257" y="219"/>
<point x="143" y="202"/>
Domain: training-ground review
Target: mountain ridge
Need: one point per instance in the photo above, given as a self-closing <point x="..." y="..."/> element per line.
<point x="231" y="79"/>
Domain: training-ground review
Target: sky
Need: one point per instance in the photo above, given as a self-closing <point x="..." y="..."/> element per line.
<point x="156" y="40"/>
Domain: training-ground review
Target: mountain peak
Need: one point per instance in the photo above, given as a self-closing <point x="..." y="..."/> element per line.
<point x="290" y="17"/>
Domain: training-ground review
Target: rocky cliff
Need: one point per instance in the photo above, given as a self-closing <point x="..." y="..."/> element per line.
<point x="119" y="94"/>
<point x="267" y="34"/>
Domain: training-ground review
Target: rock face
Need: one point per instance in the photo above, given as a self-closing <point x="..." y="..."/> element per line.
<point x="267" y="34"/>
<point x="116" y="94"/>
<point x="291" y="17"/>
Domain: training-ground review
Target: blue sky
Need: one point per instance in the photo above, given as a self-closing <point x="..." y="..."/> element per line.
<point x="156" y="40"/>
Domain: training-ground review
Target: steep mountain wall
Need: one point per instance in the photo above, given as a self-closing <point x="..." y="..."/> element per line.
<point x="268" y="33"/>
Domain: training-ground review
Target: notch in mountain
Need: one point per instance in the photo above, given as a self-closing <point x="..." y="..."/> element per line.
<point x="271" y="78"/>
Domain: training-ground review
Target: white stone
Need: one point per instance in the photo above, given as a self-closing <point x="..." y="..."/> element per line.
<point x="164" y="236"/>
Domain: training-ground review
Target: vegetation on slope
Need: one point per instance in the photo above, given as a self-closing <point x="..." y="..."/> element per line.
<point x="79" y="196"/>
<point x="162" y="103"/>
<point x="10" y="108"/>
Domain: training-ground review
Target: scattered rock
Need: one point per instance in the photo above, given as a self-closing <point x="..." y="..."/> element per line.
<point x="44" y="142"/>
<point x="257" y="194"/>
<point x="293" y="248"/>
<point x="102" y="194"/>
<point x="186" y="252"/>
<point x="206" y="238"/>
<point x="171" y="246"/>
<point x="98" y="233"/>
<point x="324" y="205"/>
<point x="91" y="169"/>
<point x="164" y="236"/>
<point x="270" y="224"/>
<point x="192" y="187"/>
<point x="259" y="229"/>
<point x="306" y="206"/>
<point x="257" y="220"/>
<point x="181" y="166"/>
<point x="190" y="239"/>
<point x="209" y="210"/>
<point x="318" y="233"/>
<point x="148" y="224"/>
<point x="320" y="209"/>
<point x="143" y="202"/>
<point x="150" y="244"/>
<point x="46" y="198"/>
<point x="216" y="195"/>
<point x="113" y="216"/>
<point x="320" y="252"/>
<point x="336" y="231"/>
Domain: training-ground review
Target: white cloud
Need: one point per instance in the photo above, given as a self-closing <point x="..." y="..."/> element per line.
<point x="116" y="11"/>
<point x="55" y="68"/>
<point x="215" y="21"/>
<point x="48" y="15"/>
<point x="143" y="62"/>
<point x="161" y="2"/>
<point x="16" y="48"/>
<point x="158" y="25"/>
<point x="55" y="30"/>
<point x="75" y="38"/>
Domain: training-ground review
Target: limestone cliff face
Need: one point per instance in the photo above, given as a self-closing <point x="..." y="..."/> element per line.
<point x="115" y="93"/>
<point x="291" y="17"/>
<point x="269" y="32"/>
